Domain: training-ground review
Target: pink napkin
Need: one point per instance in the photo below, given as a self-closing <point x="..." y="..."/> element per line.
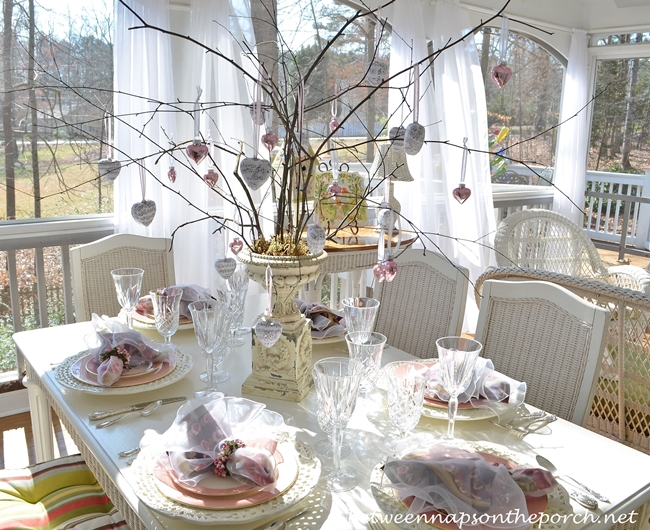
<point x="325" y="321"/>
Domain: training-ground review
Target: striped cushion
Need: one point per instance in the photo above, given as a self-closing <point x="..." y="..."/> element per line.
<point x="54" y="495"/>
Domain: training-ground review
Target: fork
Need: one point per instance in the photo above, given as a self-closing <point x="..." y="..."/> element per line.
<point x="375" y="524"/>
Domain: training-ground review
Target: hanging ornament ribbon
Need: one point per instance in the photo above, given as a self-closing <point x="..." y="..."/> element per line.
<point x="462" y="193"/>
<point x="171" y="174"/>
<point x="334" y="157"/>
<point x="415" y="133"/>
<point x="268" y="331"/>
<point x="257" y="110"/>
<point x="109" y="169"/>
<point x="501" y="73"/>
<point x="269" y="139"/>
<point x="143" y="212"/>
<point x="386" y="267"/>
<point x="300" y="118"/>
<point x="212" y="176"/>
<point x="377" y="72"/>
<point x="197" y="150"/>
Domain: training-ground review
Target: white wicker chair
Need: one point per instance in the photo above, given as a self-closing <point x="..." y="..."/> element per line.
<point x="424" y="302"/>
<point x="543" y="334"/>
<point x="93" y="287"/>
<point x="546" y="240"/>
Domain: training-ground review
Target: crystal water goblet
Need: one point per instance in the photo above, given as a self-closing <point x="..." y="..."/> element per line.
<point x="220" y="353"/>
<point x="212" y="327"/>
<point x="323" y="448"/>
<point x="128" y="282"/>
<point x="360" y="315"/>
<point x="368" y="354"/>
<point x="238" y="284"/>
<point x="457" y="357"/>
<point x="337" y="384"/>
<point x="406" y="384"/>
<point x="166" y="311"/>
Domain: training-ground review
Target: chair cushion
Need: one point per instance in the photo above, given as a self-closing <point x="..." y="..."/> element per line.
<point x="53" y="495"/>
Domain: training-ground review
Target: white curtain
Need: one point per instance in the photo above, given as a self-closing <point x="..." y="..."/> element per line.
<point x="571" y="163"/>
<point x="146" y="66"/>
<point x="454" y="110"/>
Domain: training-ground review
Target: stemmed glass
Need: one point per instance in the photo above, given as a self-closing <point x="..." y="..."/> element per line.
<point x="323" y="448"/>
<point x="127" y="285"/>
<point x="166" y="310"/>
<point x="212" y="327"/>
<point x="368" y="354"/>
<point x="457" y="357"/>
<point x="406" y="384"/>
<point x="360" y="315"/>
<point x="221" y="351"/>
<point x="238" y="284"/>
<point x="337" y="384"/>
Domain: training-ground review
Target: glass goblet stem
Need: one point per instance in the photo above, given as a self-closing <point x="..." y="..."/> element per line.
<point x="129" y="318"/>
<point x="337" y="441"/>
<point x="453" y="410"/>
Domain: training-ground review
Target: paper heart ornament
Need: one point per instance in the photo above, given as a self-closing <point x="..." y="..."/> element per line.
<point x="255" y="172"/>
<point x="262" y="116"/>
<point x="334" y="189"/>
<point x="171" y="174"/>
<point x="109" y="169"/>
<point x="396" y="135"/>
<point x="225" y="267"/>
<point x="143" y="212"/>
<point x="414" y="138"/>
<point x="377" y="73"/>
<point x="461" y="193"/>
<point x="211" y="177"/>
<point x="268" y="332"/>
<point x="316" y="238"/>
<point x="385" y="217"/>
<point x="236" y="246"/>
<point x="270" y="140"/>
<point x="197" y="152"/>
<point x="501" y="74"/>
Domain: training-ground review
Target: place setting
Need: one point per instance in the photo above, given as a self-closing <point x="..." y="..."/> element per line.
<point x="224" y="460"/>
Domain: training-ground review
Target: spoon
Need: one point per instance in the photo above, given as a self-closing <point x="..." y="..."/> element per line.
<point x="147" y="411"/>
<point x="588" y="500"/>
<point x="281" y="525"/>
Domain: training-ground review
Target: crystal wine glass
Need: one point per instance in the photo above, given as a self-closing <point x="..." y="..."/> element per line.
<point x="127" y="285"/>
<point x="323" y="448"/>
<point x="406" y="384"/>
<point x="457" y="357"/>
<point x="212" y="327"/>
<point x="360" y="315"/>
<point x="368" y="354"/>
<point x="337" y="384"/>
<point x="166" y="310"/>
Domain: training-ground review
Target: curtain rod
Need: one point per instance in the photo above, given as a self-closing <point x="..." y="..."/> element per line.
<point x="492" y="12"/>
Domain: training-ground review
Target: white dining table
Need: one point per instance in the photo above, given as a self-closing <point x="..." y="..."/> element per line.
<point x="617" y="471"/>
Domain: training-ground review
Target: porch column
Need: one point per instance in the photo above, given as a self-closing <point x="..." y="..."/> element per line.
<point x="643" y="224"/>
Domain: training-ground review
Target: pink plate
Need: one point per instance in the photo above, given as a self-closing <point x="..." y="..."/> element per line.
<point x="92" y="365"/>
<point x="78" y="371"/>
<point x="287" y="474"/>
<point x="440" y="404"/>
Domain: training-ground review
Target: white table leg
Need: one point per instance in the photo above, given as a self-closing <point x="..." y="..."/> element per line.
<point x="41" y="415"/>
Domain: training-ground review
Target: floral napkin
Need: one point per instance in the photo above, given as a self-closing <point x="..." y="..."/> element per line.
<point x="462" y="482"/>
<point x="325" y="321"/>
<point x="191" y="293"/>
<point x="487" y="389"/>
<point x="219" y="435"/>
<point x="117" y="348"/>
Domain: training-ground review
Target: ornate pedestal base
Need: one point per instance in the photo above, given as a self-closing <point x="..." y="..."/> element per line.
<point x="284" y="370"/>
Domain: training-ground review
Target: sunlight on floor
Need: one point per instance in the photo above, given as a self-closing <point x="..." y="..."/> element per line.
<point x="14" y="449"/>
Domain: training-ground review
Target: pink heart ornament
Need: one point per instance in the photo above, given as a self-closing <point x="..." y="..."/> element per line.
<point x="225" y="267"/>
<point x="377" y="73"/>
<point x="255" y="172"/>
<point x="171" y="174"/>
<point x="268" y="332"/>
<point x="379" y="271"/>
<point x="143" y="212"/>
<point x="236" y="246"/>
<point x="414" y="138"/>
<point x="390" y="269"/>
<point x="334" y="189"/>
<point x="197" y="152"/>
<point x="396" y="136"/>
<point x="334" y="124"/>
<point x="109" y="169"/>
<point x="270" y="140"/>
<point x="501" y="74"/>
<point x="461" y="193"/>
<point x="316" y="238"/>
<point x="211" y="177"/>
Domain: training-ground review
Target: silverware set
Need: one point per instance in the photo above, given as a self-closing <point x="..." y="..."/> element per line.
<point x="527" y="423"/>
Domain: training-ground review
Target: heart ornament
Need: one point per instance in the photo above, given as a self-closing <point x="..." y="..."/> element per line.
<point x="211" y="177"/>
<point x="316" y="238"/>
<point x="255" y="172"/>
<point x="270" y="140"/>
<point x="225" y="267"/>
<point x="268" y="332"/>
<point x="501" y="74"/>
<point x="396" y="136"/>
<point x="385" y="217"/>
<point x="171" y="174"/>
<point x="334" y="189"/>
<point x="197" y="152"/>
<point x="461" y="193"/>
<point x="390" y="269"/>
<point x="258" y="118"/>
<point x="143" y="212"/>
<point x="236" y="246"/>
<point x="379" y="270"/>
<point x="109" y="169"/>
<point x="414" y="138"/>
<point x="377" y="73"/>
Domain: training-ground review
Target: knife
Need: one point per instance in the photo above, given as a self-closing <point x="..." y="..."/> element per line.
<point x="100" y="415"/>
